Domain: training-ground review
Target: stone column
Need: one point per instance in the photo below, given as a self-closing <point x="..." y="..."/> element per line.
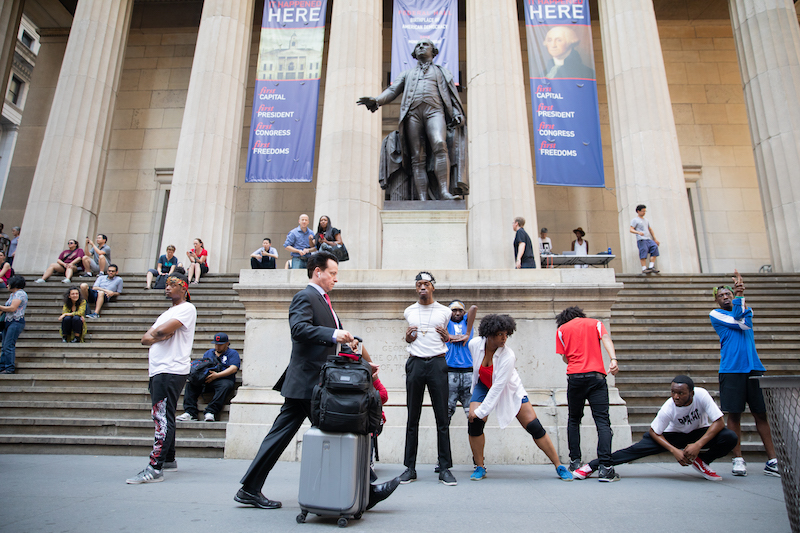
<point x="68" y="182"/>
<point x="201" y="201"/>
<point x="500" y="165"/>
<point x="10" y="15"/>
<point x="647" y="161"/>
<point x="768" y="45"/>
<point x="347" y="179"/>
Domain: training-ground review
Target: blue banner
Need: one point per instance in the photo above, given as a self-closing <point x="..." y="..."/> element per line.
<point x="414" y="20"/>
<point x="283" y="127"/>
<point x="566" y="121"/>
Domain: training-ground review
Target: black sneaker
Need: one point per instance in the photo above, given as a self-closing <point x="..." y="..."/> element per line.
<point x="408" y="476"/>
<point x="436" y="469"/>
<point x="574" y="465"/>
<point x="447" y="478"/>
<point x="607" y="474"/>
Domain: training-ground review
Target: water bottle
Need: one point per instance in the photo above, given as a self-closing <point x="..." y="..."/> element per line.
<point x="609" y="251"/>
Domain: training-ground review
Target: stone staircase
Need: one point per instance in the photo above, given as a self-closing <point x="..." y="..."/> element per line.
<point x="660" y="328"/>
<point x="92" y="398"/>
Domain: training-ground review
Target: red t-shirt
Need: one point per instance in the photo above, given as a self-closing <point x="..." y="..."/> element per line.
<point x="485" y="375"/>
<point x="579" y="340"/>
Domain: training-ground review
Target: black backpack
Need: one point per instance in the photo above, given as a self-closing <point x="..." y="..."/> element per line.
<point x="344" y="400"/>
<point x="199" y="370"/>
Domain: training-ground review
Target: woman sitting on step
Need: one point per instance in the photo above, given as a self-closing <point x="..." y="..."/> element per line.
<point x="73" y="316"/>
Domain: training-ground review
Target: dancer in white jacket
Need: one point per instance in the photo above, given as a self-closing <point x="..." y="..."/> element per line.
<point x="496" y="386"/>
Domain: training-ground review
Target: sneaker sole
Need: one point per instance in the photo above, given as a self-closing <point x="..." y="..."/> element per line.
<point x="605" y="480"/>
<point x="474" y="478"/>
<point x="739" y="474"/>
<point x="406" y="482"/>
<point x="137" y="482"/>
<point x="771" y="473"/>
<point x="448" y="483"/>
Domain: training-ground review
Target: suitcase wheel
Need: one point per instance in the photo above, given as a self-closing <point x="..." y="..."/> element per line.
<point x="301" y="518"/>
<point x="358" y="516"/>
<point x="342" y="522"/>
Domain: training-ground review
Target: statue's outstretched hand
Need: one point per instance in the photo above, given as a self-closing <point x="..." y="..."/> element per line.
<point x="370" y="102"/>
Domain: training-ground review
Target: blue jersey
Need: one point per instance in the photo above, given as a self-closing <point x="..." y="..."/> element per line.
<point x="737" y="347"/>
<point x="458" y="355"/>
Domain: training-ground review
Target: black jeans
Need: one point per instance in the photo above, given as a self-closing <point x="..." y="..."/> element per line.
<point x="164" y="392"/>
<point x="221" y="387"/>
<point x="594" y="389"/>
<point x="720" y="446"/>
<point x="293" y="413"/>
<point x="433" y="373"/>
<point x="70" y="325"/>
<point x="265" y="263"/>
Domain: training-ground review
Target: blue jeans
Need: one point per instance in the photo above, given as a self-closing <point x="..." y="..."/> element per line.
<point x="10" y="336"/>
<point x="299" y="263"/>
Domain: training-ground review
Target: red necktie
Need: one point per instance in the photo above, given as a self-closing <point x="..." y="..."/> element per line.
<point x="328" y="299"/>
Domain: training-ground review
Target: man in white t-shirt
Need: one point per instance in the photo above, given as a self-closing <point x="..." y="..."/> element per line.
<point x="646" y="240"/>
<point x="427" y="337"/>
<point x="689" y="426"/>
<point x="170" y="340"/>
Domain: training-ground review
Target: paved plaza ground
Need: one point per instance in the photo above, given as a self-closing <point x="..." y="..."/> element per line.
<point x="65" y="493"/>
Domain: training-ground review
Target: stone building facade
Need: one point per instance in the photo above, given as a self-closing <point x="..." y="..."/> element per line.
<point x="138" y="111"/>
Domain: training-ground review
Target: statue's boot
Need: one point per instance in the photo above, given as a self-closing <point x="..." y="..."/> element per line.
<point x="421" y="183"/>
<point x="446" y="193"/>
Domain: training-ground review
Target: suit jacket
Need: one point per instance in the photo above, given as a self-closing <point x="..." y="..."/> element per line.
<point x="312" y="325"/>
<point x="406" y="83"/>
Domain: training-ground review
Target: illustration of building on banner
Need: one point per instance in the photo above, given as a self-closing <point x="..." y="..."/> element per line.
<point x="568" y="148"/>
<point x="298" y="59"/>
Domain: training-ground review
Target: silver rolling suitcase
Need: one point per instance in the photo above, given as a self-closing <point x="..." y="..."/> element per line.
<point x="334" y="475"/>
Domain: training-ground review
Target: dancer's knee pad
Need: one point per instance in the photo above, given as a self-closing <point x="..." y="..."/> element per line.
<point x="535" y="429"/>
<point x="475" y="427"/>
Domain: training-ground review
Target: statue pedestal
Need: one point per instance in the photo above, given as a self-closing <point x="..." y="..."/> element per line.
<point x="370" y="304"/>
<point x="416" y="237"/>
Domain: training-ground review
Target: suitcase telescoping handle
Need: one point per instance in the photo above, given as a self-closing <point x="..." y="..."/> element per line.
<point x="360" y="345"/>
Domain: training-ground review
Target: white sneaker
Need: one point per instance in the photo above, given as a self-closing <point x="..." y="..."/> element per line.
<point x="66" y="280"/>
<point x="208" y="417"/>
<point x="739" y="466"/>
<point x="185" y="417"/>
<point x="40" y="280"/>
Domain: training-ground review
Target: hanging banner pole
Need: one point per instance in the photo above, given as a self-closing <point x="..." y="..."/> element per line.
<point x="283" y="127"/>
<point x="414" y="20"/>
<point x="566" y="120"/>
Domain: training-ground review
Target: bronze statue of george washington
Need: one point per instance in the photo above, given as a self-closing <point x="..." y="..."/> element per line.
<point x="426" y="157"/>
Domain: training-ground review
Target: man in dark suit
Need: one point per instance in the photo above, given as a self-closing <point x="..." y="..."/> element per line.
<point x="315" y="332"/>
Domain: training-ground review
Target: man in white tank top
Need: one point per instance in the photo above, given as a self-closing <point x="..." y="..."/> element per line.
<point x="426" y="366"/>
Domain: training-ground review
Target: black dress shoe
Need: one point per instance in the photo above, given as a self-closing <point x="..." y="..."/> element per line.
<point x="256" y="500"/>
<point x="378" y="493"/>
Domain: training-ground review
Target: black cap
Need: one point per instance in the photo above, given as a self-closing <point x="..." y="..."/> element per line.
<point x="220" y="338"/>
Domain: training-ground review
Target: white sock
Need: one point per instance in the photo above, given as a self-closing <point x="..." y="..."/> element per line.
<point x="652" y="264"/>
<point x="644" y="268"/>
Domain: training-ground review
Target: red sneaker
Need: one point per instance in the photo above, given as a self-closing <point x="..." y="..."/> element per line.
<point x="583" y="472"/>
<point x="704" y="469"/>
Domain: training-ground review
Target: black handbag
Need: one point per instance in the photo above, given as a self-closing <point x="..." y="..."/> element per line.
<point x="340" y="251"/>
<point x="161" y="282"/>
